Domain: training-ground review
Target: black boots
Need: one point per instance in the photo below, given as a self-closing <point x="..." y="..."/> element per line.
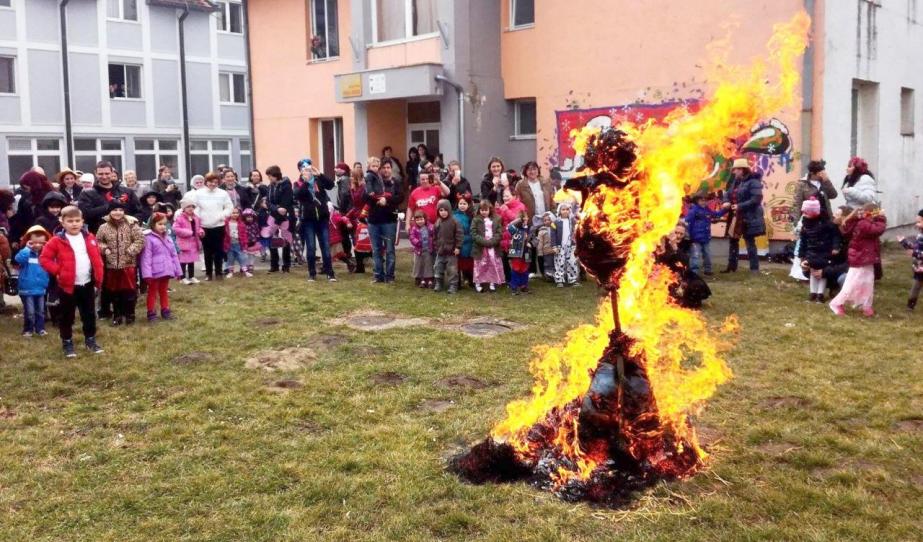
<point x="911" y="303"/>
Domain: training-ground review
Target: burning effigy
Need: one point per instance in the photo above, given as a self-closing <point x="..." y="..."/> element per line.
<point x="611" y="408"/>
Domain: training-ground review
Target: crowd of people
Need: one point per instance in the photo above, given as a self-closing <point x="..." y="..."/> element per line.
<point x="90" y="243"/>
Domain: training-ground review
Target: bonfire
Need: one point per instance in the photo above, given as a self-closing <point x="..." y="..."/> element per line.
<point x="611" y="408"/>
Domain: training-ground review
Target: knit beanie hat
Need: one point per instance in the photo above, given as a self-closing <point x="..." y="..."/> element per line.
<point x="116" y="203"/>
<point x="188" y="199"/>
<point x="810" y="208"/>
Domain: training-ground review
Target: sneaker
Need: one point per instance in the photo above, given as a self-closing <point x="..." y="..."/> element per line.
<point x="26" y="334"/>
<point x="533" y="275"/>
<point x="229" y="274"/>
<point x="42" y="333"/>
<point x="478" y="288"/>
<point x="812" y="298"/>
<point x="248" y="274"/>
<point x="91" y="345"/>
<point x="492" y="287"/>
<point x="378" y="281"/>
<point x="187" y="282"/>
<point x="837" y="309"/>
<point x="515" y="291"/>
<point x="68" y="345"/>
<point x="560" y="285"/>
<point x="208" y="278"/>
<point x="151" y="316"/>
<point x="911" y="304"/>
<point x="331" y="279"/>
<point x="869" y="312"/>
<point x="194" y="280"/>
<point x="165" y="314"/>
<point x="312" y="279"/>
<point x="117" y="321"/>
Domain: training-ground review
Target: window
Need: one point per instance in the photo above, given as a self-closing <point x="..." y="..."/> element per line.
<point x="525" y="118"/>
<point x="124" y="81"/>
<point x="325" y="40"/>
<point x="208" y="155"/>
<point x="88" y="151"/>
<point x="7" y="75"/>
<point x="907" y="112"/>
<point x="331" y="141"/>
<point x="232" y="88"/>
<point x="25" y="153"/>
<point x="402" y="19"/>
<point x="246" y="158"/>
<point x="150" y="154"/>
<point x="230" y="17"/>
<point x="522" y="13"/>
<point x="122" y="9"/>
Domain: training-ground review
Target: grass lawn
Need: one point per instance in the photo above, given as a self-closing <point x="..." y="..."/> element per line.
<point x="817" y="436"/>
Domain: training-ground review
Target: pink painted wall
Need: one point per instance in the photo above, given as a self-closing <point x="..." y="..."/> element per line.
<point x="406" y="54"/>
<point x="288" y="88"/>
<point x="655" y="54"/>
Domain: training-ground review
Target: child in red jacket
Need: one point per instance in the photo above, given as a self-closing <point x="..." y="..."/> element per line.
<point x="340" y="227"/>
<point x="72" y="257"/>
<point x="864" y="228"/>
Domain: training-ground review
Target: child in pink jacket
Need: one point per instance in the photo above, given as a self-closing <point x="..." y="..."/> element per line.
<point x="188" y="231"/>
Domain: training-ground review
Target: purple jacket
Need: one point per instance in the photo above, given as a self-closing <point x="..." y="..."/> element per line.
<point x="159" y="259"/>
<point x="416" y="240"/>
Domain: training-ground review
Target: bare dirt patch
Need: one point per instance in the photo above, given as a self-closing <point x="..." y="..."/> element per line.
<point x="379" y="321"/>
<point x="7" y="413"/>
<point x="776" y="449"/>
<point x="282" y="386"/>
<point x="436" y="405"/>
<point x="486" y="328"/>
<point x="192" y="358"/>
<point x="268" y="322"/>
<point x="464" y="382"/>
<point x="388" y="378"/>
<point x="327" y="340"/>
<point x="914" y="425"/>
<point x="708" y="435"/>
<point x="785" y="401"/>
<point x="286" y="359"/>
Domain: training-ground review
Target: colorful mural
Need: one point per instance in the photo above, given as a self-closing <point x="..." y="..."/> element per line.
<point x="768" y="147"/>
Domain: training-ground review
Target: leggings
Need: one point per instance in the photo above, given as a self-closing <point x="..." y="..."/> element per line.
<point x="158" y="287"/>
<point x="915" y="289"/>
<point x="213" y="245"/>
<point x="188" y="270"/>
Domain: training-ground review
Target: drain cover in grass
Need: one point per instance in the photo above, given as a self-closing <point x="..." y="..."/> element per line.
<point x="485" y="328"/>
<point x="377" y="321"/>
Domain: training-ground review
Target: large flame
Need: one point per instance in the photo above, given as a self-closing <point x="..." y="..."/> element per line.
<point x="681" y="354"/>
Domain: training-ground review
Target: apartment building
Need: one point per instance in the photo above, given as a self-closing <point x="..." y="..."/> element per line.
<point x="125" y="97"/>
<point x="339" y="79"/>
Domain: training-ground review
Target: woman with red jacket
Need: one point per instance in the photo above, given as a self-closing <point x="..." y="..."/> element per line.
<point x="864" y="226"/>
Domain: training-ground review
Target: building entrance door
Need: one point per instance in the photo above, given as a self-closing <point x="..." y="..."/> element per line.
<point x="426" y="133"/>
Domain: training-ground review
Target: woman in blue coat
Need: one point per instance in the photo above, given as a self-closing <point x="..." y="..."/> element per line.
<point x="745" y="198"/>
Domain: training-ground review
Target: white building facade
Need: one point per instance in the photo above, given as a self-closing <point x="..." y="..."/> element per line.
<point x="125" y="100"/>
<point x="873" y="75"/>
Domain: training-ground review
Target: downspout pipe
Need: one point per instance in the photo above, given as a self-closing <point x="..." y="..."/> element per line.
<point x="246" y="8"/>
<point x="187" y="156"/>
<point x="807" y="94"/>
<point x="65" y="64"/>
<point x="460" y="92"/>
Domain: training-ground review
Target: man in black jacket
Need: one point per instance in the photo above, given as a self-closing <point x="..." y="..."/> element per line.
<point x="382" y="196"/>
<point x="315" y="217"/>
<point x="94" y="203"/>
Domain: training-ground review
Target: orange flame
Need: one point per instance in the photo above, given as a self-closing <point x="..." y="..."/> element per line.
<point x="682" y="355"/>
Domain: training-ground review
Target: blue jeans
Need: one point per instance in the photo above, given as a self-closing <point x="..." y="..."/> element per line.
<point x="33" y="313"/>
<point x="383" y="234"/>
<point x="752" y="254"/>
<point x="313" y="233"/>
<point x="236" y="254"/>
<point x="700" y="259"/>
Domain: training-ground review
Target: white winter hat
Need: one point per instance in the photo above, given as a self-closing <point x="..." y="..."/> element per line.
<point x="87" y="178"/>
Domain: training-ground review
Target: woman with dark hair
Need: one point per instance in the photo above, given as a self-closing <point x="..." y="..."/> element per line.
<point x="413" y="168"/>
<point x="68" y="185"/>
<point x="423" y="153"/>
<point x="494" y="182"/>
<point x="33" y="185"/>
<point x="859" y="185"/>
<point x="535" y="192"/>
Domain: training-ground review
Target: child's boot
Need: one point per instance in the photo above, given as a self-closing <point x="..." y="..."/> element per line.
<point x="351" y="265"/>
<point x="437" y="285"/>
<point x="911" y="303"/>
<point x="91" y="345"/>
<point x="165" y="314"/>
<point x="453" y="288"/>
<point x="151" y="316"/>
<point x="68" y="345"/>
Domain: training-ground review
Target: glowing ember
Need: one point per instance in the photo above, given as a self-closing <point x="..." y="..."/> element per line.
<point x="609" y="410"/>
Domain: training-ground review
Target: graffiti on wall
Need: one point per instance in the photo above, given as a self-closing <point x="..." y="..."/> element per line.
<point x="768" y="146"/>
